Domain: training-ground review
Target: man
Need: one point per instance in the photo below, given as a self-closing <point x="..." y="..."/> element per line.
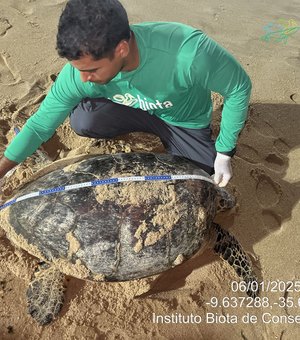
<point x="151" y="77"/>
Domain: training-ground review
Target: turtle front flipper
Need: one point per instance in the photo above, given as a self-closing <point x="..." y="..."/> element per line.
<point x="45" y="294"/>
<point x="231" y="251"/>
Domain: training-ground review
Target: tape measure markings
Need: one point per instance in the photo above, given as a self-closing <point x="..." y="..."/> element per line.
<point x="103" y="182"/>
<point x="32" y="194"/>
<point x="77" y="186"/>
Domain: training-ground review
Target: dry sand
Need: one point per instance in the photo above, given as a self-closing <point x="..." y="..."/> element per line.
<point x="266" y="179"/>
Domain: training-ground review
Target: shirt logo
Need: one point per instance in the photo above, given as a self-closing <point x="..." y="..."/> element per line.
<point x="143" y="103"/>
<point x="128" y="99"/>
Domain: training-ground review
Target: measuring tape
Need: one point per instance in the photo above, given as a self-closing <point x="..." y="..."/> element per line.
<point x="103" y="182"/>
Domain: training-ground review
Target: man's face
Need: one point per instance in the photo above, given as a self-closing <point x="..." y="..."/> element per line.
<point x="99" y="71"/>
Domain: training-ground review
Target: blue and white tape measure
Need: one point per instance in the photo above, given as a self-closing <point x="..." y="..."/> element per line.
<point x="104" y="182"/>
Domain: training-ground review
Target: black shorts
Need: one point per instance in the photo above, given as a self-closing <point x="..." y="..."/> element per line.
<point x="101" y="118"/>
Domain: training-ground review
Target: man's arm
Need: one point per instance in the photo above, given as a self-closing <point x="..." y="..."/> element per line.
<point x="216" y="69"/>
<point x="63" y="96"/>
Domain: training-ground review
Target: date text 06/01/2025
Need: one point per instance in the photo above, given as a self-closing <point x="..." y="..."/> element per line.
<point x="266" y="286"/>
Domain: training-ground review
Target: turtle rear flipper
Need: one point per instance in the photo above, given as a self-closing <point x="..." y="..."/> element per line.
<point x="231" y="251"/>
<point x="45" y="294"/>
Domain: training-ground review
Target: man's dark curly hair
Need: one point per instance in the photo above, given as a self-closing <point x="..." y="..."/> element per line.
<point x="93" y="27"/>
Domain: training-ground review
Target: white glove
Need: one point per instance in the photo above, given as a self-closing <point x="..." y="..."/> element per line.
<point x="223" y="170"/>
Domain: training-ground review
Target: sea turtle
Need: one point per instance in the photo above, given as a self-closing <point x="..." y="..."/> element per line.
<point x="117" y="231"/>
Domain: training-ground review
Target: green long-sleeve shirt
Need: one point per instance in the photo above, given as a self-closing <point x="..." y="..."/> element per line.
<point x="179" y="67"/>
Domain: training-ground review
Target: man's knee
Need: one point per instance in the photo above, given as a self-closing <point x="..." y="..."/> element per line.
<point x="87" y="128"/>
<point x="87" y="122"/>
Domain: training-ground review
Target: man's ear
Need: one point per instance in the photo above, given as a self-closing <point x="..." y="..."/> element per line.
<point x="122" y="49"/>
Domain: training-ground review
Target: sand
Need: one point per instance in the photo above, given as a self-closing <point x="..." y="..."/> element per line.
<point x="266" y="183"/>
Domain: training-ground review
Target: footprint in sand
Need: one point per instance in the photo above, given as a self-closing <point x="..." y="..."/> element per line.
<point x="268" y="192"/>
<point x="275" y="162"/>
<point x="271" y="220"/>
<point x="4" y="26"/>
<point x="264" y="128"/>
<point x="248" y="153"/>
<point x="6" y="75"/>
<point x="282" y="146"/>
<point x="251" y="155"/>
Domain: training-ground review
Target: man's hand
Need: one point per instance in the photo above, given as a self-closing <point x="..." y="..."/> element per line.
<point x="223" y="170"/>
